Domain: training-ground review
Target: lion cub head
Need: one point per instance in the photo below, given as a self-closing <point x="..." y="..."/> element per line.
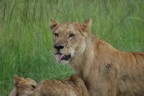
<point x="69" y="39"/>
<point x="23" y="86"/>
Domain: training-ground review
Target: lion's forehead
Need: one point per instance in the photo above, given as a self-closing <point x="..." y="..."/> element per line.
<point x="66" y="27"/>
<point x="31" y="83"/>
<point x="28" y="82"/>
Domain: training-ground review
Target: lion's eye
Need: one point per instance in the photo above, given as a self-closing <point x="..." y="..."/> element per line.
<point x="71" y="35"/>
<point x="56" y="34"/>
<point x="33" y="86"/>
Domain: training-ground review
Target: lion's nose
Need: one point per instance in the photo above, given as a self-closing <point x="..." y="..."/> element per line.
<point x="58" y="47"/>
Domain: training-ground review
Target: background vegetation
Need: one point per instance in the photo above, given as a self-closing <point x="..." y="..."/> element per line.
<point x="26" y="42"/>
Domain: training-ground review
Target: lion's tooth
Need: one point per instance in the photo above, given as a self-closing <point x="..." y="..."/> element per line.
<point x="61" y="56"/>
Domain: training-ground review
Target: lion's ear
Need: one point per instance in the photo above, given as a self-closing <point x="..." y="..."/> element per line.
<point x="53" y="24"/>
<point x="87" y="25"/>
<point x="17" y="79"/>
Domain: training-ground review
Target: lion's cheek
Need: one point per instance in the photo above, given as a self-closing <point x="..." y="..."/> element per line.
<point x="77" y="46"/>
<point x="80" y="48"/>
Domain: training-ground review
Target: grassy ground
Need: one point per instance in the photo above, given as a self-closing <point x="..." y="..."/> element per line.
<point x="25" y="37"/>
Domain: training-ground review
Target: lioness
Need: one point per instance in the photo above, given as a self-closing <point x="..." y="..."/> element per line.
<point x="73" y="86"/>
<point x="23" y="86"/>
<point x="105" y="70"/>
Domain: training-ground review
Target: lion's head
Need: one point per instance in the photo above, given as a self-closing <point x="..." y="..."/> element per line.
<point x="24" y="86"/>
<point x="69" y="39"/>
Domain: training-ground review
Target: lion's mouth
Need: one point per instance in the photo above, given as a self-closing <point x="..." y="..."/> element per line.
<point x="60" y="57"/>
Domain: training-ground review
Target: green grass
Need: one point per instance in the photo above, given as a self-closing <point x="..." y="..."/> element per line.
<point x="26" y="42"/>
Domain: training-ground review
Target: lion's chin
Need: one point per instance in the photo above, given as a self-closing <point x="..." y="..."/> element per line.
<point x="60" y="58"/>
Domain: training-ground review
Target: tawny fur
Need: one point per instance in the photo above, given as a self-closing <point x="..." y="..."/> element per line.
<point x="73" y="86"/>
<point x="23" y="86"/>
<point x="105" y="70"/>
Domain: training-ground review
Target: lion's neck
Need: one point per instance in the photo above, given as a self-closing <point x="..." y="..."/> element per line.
<point x="94" y="48"/>
<point x="76" y="64"/>
<point x="82" y="63"/>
